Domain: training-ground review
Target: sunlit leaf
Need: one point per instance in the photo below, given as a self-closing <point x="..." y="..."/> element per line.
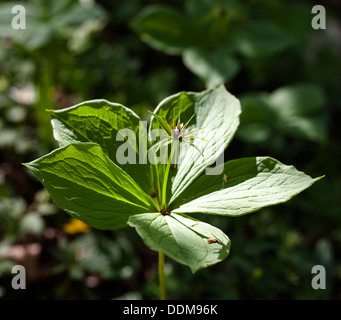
<point x="245" y="185"/>
<point x="216" y="119"/>
<point x="184" y="239"/>
<point x="85" y="183"/>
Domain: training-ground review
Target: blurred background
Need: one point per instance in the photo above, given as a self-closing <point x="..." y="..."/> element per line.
<point x="138" y="52"/>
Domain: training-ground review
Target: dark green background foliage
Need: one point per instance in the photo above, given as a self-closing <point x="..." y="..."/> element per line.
<point x="134" y="52"/>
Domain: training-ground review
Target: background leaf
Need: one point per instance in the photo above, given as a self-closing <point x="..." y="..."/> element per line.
<point x="46" y="19"/>
<point x="291" y="110"/>
<point x="298" y="99"/>
<point x="165" y="29"/>
<point x="213" y="67"/>
<point x="259" y="39"/>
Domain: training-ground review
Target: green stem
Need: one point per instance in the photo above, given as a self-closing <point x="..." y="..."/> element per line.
<point x="162" y="280"/>
<point x="165" y="177"/>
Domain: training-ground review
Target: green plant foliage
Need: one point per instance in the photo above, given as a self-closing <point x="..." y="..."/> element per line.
<point x="182" y="238"/>
<point x="85" y="181"/>
<point x="287" y="78"/>
<point x="100" y="122"/>
<point x="46" y="20"/>
<point x="292" y="110"/>
<point x="245" y="185"/>
<point x="209" y="36"/>
<point x="216" y="119"/>
<point x="154" y="24"/>
<point x="215" y="67"/>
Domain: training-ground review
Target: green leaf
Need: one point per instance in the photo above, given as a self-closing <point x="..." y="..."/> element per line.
<point x="292" y="110"/>
<point x="257" y="117"/>
<point x="162" y="123"/>
<point x="256" y="108"/>
<point x="93" y="121"/>
<point x="260" y="39"/>
<point x="6" y="18"/>
<point x="214" y="68"/>
<point x="313" y="129"/>
<point x="297" y="99"/>
<point x="39" y="35"/>
<point x="182" y="238"/>
<point x="59" y="7"/>
<point x="246" y="185"/>
<point x="78" y="13"/>
<point x="165" y="29"/>
<point x="216" y="117"/>
<point x="37" y="32"/>
<point x="44" y="19"/>
<point x="85" y="183"/>
<point x="100" y="121"/>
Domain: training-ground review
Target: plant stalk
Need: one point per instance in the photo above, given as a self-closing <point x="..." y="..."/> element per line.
<point x="165" y="177"/>
<point x="162" y="279"/>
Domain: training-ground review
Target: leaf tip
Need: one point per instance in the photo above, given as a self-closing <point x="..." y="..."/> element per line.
<point x="319" y="178"/>
<point x="27" y="164"/>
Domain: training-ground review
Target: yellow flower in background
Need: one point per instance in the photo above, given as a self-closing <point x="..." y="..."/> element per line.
<point x="75" y="226"/>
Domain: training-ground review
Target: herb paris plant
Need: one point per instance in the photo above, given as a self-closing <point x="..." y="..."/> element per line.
<point x="89" y="179"/>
